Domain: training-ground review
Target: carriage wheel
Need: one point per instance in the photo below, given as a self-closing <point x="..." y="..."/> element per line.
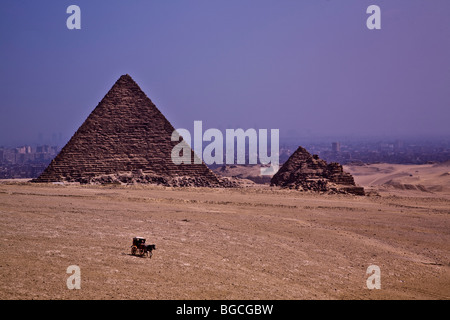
<point x="141" y="252"/>
<point x="133" y="250"/>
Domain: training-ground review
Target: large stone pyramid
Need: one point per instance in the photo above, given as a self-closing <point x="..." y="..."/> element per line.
<point x="307" y="172"/>
<point x="125" y="139"/>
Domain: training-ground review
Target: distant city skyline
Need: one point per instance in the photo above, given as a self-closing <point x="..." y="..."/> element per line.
<point x="30" y="161"/>
<point x="309" y="68"/>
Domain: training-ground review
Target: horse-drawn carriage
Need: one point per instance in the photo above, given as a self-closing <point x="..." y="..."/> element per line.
<point x="140" y="248"/>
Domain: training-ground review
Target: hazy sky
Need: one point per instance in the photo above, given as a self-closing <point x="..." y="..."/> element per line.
<point x="306" y="67"/>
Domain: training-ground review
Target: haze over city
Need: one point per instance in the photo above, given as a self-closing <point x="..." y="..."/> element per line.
<point x="308" y="68"/>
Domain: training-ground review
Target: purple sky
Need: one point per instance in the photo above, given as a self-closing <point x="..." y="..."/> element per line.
<point x="307" y="67"/>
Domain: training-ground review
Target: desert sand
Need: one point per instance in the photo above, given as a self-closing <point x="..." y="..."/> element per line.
<point x="256" y="242"/>
<point x="395" y="178"/>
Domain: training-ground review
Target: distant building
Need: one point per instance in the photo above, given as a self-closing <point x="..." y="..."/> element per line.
<point x="399" y="145"/>
<point x="42" y="149"/>
<point x="336" y="147"/>
<point x="9" y="156"/>
<point x="23" y="150"/>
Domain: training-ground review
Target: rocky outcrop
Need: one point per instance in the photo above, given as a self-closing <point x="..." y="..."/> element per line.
<point x="126" y="138"/>
<point x="306" y="172"/>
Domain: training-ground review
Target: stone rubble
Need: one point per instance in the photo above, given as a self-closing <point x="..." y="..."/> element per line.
<point x="306" y="172"/>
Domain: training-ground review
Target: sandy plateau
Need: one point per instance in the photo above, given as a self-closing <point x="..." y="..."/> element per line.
<point x="256" y="242"/>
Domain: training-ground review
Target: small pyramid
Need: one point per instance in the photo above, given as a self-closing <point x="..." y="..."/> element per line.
<point x="307" y="172"/>
<point x="125" y="139"/>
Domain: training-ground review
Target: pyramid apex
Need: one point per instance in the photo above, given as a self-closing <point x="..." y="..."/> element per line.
<point x="126" y="80"/>
<point x="126" y="77"/>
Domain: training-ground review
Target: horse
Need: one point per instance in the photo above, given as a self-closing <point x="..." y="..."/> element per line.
<point x="148" y="249"/>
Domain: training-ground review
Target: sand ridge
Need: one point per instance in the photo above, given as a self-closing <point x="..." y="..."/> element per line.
<point x="425" y="178"/>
